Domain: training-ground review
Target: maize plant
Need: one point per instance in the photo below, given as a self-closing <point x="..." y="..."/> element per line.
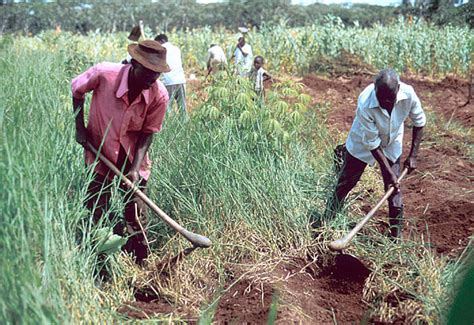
<point x="406" y="46"/>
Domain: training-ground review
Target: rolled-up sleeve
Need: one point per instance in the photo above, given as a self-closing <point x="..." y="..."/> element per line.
<point x="368" y="130"/>
<point x="417" y="115"/>
<point x="85" y="82"/>
<point x="155" y="115"/>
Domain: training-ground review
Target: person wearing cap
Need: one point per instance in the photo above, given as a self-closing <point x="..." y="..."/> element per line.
<point x="216" y="59"/>
<point x="376" y="135"/>
<point x="174" y="80"/>
<point x="128" y="106"/>
<point x="243" y="57"/>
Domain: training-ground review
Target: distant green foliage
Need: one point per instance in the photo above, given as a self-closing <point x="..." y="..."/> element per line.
<point x="416" y="47"/>
<point x="166" y="15"/>
<point x="406" y="46"/>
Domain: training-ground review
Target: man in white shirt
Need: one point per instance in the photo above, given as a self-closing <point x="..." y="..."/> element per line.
<point x="377" y="135"/>
<point x="174" y="80"/>
<point x="243" y="57"/>
<point x="216" y="59"/>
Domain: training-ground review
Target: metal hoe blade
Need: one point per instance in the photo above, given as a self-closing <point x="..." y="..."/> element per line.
<point x="349" y="267"/>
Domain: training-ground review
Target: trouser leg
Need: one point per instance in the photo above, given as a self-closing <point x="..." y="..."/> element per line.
<point x="134" y="214"/>
<point x="181" y="98"/>
<point x="98" y="200"/>
<point x="136" y="224"/>
<point x="349" y="175"/>
<point x="395" y="202"/>
<point x="171" y="94"/>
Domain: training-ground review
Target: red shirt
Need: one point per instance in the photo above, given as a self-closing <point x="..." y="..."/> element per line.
<point x="112" y="119"/>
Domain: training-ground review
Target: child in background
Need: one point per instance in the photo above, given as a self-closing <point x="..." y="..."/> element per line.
<point x="259" y="75"/>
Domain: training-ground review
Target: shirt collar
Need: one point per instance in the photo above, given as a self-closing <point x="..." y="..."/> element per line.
<point x="374" y="103"/>
<point x="123" y="84"/>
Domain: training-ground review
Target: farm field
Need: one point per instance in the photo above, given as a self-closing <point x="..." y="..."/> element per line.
<point x="248" y="175"/>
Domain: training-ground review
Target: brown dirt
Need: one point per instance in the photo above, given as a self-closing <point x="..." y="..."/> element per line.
<point x="245" y="302"/>
<point x="302" y="291"/>
<point x="314" y="295"/>
<point x="439" y="203"/>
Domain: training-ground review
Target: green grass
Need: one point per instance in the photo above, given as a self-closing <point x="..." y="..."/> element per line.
<point x="251" y="196"/>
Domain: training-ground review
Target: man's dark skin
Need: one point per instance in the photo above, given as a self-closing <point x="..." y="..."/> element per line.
<point x="386" y="94"/>
<point x="139" y="79"/>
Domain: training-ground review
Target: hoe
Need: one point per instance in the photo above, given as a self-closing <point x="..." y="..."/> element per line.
<point x="350" y="262"/>
<point x="197" y="240"/>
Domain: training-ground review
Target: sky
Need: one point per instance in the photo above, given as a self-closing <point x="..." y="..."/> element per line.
<point x="306" y="2"/>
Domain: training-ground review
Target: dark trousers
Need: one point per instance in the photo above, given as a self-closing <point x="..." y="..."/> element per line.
<point x="351" y="172"/>
<point x="98" y="202"/>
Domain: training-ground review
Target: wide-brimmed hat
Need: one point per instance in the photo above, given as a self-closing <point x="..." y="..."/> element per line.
<point x="150" y="54"/>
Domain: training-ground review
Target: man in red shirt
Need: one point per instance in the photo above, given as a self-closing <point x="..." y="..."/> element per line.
<point x="127" y="107"/>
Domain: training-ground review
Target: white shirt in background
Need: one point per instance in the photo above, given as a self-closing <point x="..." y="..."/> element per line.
<point x="374" y="127"/>
<point x="259" y="79"/>
<point x="216" y="55"/>
<point x="244" y="63"/>
<point x="173" y="58"/>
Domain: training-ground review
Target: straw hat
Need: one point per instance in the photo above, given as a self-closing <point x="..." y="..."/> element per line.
<point x="150" y="54"/>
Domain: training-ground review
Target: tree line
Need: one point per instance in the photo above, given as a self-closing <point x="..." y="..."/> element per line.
<point x="164" y="15"/>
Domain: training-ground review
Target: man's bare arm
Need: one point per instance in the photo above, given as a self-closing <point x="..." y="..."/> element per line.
<point x="411" y="161"/>
<point x="81" y="131"/>
<point x="143" y="144"/>
<point x="385" y="166"/>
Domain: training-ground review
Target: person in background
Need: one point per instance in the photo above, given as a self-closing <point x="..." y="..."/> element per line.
<point x="376" y="135"/>
<point x="216" y="59"/>
<point x="243" y="57"/>
<point x="258" y="75"/>
<point x="135" y="34"/>
<point x="128" y="106"/>
<point x="174" y="80"/>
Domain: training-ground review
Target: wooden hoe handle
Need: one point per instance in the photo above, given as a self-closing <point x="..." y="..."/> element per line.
<point x="342" y="243"/>
<point x="195" y="239"/>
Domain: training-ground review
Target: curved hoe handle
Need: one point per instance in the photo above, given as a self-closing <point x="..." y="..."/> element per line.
<point x="342" y="243"/>
<point x="195" y="239"/>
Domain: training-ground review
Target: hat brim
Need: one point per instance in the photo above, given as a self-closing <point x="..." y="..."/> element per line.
<point x="159" y="65"/>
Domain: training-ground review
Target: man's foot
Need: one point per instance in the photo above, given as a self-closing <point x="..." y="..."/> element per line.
<point x="395" y="233"/>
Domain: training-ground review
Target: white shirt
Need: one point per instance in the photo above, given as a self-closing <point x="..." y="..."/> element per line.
<point x="259" y="79"/>
<point x="244" y="63"/>
<point x="173" y="58"/>
<point x="216" y="55"/>
<point x="374" y="127"/>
